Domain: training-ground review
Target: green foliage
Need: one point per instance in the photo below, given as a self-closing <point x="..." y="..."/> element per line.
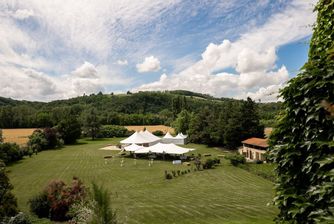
<point x="10" y="152"/>
<point x="39" y="205"/>
<point x="54" y="202"/>
<point x="110" y="131"/>
<point x="209" y="164"/>
<point x="92" y="123"/>
<point x="143" y="108"/>
<point x="158" y="133"/>
<point x="1" y="137"/>
<point x="242" y="123"/>
<point x="20" y="218"/>
<point x="48" y="138"/>
<point x="236" y="159"/>
<point x="103" y="213"/>
<point x="303" y="140"/>
<point x="69" y="129"/>
<point x="181" y="123"/>
<point x="8" y="203"/>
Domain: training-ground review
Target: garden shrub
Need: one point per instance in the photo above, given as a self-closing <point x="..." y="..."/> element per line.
<point x="39" y="205"/>
<point x="8" y="203"/>
<point x="236" y="159"/>
<point x="110" y="131"/>
<point x="10" y="152"/>
<point x="20" y="218"/>
<point x="56" y="199"/>
<point x="48" y="138"/>
<point x="209" y="164"/>
<point x="158" y="133"/>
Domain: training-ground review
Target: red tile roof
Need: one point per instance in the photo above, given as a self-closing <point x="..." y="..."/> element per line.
<point x="257" y="142"/>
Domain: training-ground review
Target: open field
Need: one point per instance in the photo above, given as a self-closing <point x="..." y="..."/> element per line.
<point x="17" y="135"/>
<point x="140" y="193"/>
<point x="151" y="128"/>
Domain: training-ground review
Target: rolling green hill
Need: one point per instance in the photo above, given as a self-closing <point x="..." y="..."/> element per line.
<point x="141" y="108"/>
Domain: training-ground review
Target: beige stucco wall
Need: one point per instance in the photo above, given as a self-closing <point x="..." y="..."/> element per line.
<point x="253" y="154"/>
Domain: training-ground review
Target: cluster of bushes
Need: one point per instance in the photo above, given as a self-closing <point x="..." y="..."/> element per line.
<point x="158" y="133"/>
<point x="110" y="131"/>
<point x="11" y="152"/>
<point x="73" y="204"/>
<point x="211" y="163"/>
<point x="236" y="159"/>
<point x="48" y="138"/>
<point x="55" y="201"/>
<point x="175" y="173"/>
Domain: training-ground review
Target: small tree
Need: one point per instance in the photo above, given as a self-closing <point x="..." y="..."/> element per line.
<point x="103" y="212"/>
<point x="8" y="203"/>
<point x="92" y="123"/>
<point x="69" y="129"/>
<point x="181" y="123"/>
<point x="37" y="141"/>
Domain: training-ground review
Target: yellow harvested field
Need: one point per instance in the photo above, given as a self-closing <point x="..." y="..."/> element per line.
<point x="17" y="135"/>
<point x="151" y="128"/>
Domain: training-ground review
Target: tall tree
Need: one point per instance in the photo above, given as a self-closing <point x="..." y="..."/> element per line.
<point x="181" y="123"/>
<point x="92" y="123"/>
<point x="69" y="129"/>
<point x="304" y="137"/>
<point x="250" y="120"/>
<point x="8" y="203"/>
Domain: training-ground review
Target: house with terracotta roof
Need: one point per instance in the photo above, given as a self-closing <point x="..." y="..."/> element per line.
<point x="254" y="148"/>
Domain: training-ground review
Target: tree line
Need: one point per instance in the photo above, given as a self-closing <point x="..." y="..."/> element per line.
<point x="225" y="125"/>
<point x="143" y="108"/>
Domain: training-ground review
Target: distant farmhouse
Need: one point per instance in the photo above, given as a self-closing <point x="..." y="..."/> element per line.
<point x="254" y="148"/>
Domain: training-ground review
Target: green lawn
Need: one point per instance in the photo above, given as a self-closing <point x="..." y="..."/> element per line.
<point x="140" y="193"/>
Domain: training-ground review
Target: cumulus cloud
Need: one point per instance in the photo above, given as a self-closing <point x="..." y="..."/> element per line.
<point x="87" y="70"/>
<point x="252" y="56"/>
<point x="122" y="62"/>
<point x="150" y="64"/>
<point x="31" y="84"/>
<point x="22" y="14"/>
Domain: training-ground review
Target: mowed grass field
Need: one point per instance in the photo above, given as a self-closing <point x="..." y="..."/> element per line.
<point x="141" y="194"/>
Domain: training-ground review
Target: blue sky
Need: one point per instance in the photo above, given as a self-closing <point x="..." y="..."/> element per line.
<point x="229" y="48"/>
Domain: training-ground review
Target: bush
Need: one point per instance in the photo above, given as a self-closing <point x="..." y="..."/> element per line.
<point x="169" y="176"/>
<point x="10" y="152"/>
<point x="158" y="133"/>
<point x="236" y="159"/>
<point x="56" y="199"/>
<point x="209" y="164"/>
<point x="20" y="218"/>
<point x="48" y="138"/>
<point x="258" y="161"/>
<point x="110" y="131"/>
<point x="39" y="205"/>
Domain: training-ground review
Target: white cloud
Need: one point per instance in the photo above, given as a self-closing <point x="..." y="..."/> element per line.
<point x="253" y="57"/>
<point x="87" y="70"/>
<point x="22" y="14"/>
<point x="122" y="62"/>
<point x="150" y="64"/>
<point x="30" y="84"/>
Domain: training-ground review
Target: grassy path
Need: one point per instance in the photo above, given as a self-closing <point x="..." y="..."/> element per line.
<point x="141" y="194"/>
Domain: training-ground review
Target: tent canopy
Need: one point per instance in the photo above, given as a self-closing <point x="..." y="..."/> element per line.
<point x="168" y="135"/>
<point x="136" y="138"/>
<point x="142" y="137"/>
<point x="164" y="148"/>
<point x="133" y="147"/>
